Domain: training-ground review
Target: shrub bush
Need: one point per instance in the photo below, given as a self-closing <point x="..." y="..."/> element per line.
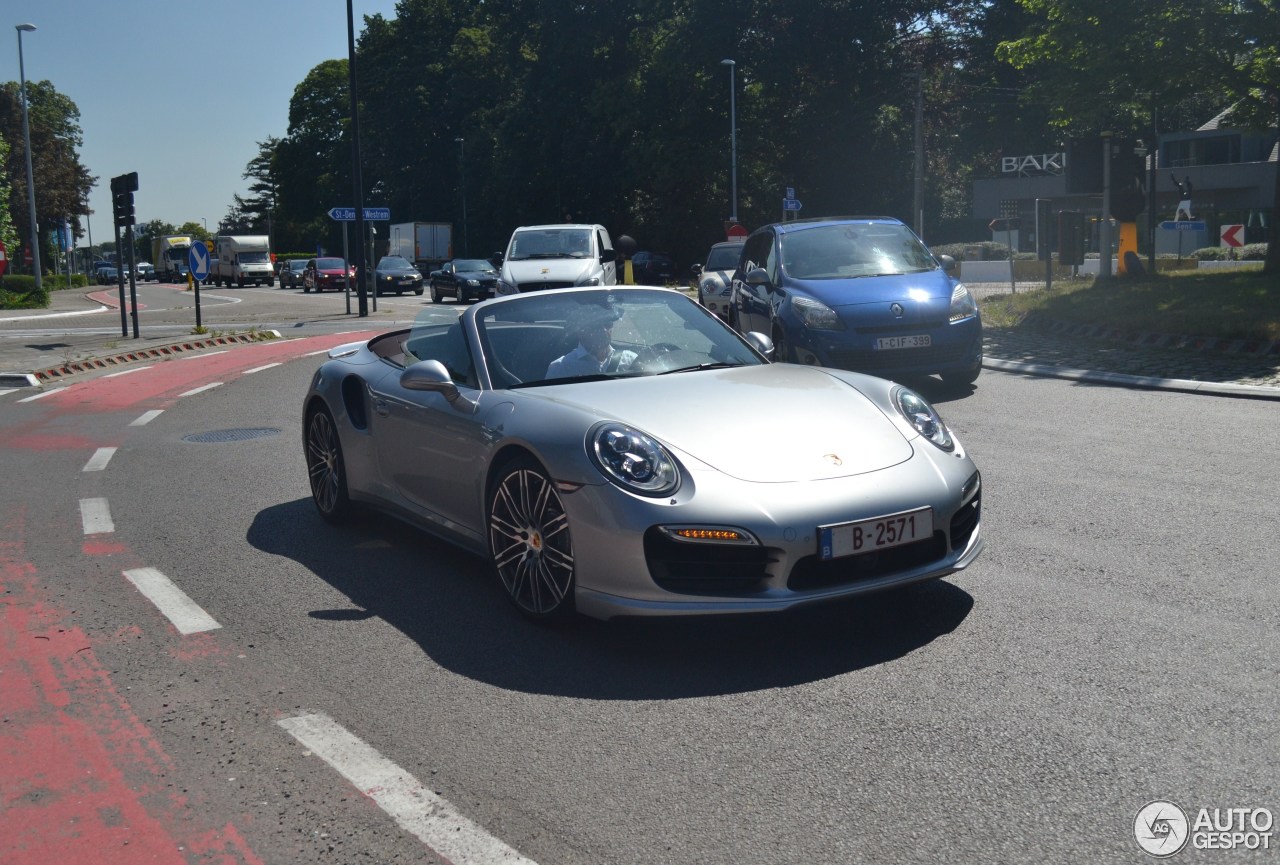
<point x="1248" y="252"/>
<point x="986" y="249"/>
<point x="18" y="291"/>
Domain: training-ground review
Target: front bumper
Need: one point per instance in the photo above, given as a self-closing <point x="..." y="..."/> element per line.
<point x="627" y="568"/>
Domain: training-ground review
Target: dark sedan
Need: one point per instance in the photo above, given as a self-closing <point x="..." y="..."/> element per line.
<point x="396" y="274"/>
<point x="653" y="268"/>
<point x="291" y="273"/>
<point x="464" y="278"/>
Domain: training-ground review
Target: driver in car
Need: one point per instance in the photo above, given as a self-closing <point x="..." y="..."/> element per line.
<point x="595" y="353"/>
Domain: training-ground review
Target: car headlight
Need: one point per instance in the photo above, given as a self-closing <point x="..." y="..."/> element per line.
<point x="922" y="417"/>
<point x="815" y="314"/>
<point x="505" y="287"/>
<point x="595" y="280"/>
<point x="963" y="306"/>
<point x="633" y="460"/>
<point x="473" y="283"/>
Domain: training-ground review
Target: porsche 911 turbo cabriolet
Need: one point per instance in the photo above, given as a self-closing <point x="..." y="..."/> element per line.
<point x="622" y="452"/>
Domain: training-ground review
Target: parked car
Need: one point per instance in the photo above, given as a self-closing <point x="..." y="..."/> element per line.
<point x="110" y="274"/>
<point x="146" y="272"/>
<point x="611" y="493"/>
<point x="860" y="294"/>
<point x="291" y="273"/>
<point x="652" y="268"/>
<point x="464" y="278"/>
<point x="714" y="276"/>
<point x="324" y="273"/>
<point x="396" y="274"/>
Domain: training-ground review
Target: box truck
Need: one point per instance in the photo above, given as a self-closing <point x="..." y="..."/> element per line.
<point x="426" y="244"/>
<point x="169" y="254"/>
<point x="242" y="260"/>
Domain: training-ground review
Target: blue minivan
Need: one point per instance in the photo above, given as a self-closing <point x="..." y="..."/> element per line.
<point x="857" y="293"/>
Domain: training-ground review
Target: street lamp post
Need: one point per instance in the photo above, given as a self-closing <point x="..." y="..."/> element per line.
<point x="26" y="139"/>
<point x="733" y="139"/>
<point x="462" y="183"/>
<point x="1104" y="227"/>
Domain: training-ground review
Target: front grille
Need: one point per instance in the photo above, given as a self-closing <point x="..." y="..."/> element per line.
<point x="965" y="521"/>
<point x="540" y="286"/>
<point x="899" y="358"/>
<point x="706" y="569"/>
<point x="812" y="572"/>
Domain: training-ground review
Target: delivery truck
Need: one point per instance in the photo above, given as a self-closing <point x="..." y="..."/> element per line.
<point x="427" y="244"/>
<point x="242" y="260"/>
<point x="170" y="254"/>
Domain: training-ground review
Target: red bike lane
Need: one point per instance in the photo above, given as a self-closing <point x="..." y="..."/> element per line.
<point x="83" y="779"/>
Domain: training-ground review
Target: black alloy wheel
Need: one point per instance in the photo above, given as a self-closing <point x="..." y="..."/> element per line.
<point x="325" y="467"/>
<point x="530" y="542"/>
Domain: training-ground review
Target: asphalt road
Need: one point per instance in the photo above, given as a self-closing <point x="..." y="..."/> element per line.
<point x="1116" y="644"/>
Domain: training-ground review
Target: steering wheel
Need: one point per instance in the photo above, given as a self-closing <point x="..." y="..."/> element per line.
<point x="650" y="356"/>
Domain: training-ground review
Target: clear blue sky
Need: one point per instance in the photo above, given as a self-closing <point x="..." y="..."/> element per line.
<point x="179" y="92"/>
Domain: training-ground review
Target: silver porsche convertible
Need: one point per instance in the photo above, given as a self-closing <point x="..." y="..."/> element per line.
<point x="622" y="452"/>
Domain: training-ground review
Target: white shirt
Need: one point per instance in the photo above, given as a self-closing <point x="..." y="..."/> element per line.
<point x="582" y="362"/>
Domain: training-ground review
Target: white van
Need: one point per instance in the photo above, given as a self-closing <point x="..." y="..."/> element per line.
<point x="557" y="256"/>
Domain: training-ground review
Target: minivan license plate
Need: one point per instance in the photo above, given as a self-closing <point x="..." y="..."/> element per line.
<point x="922" y="340"/>
<point x="878" y="533"/>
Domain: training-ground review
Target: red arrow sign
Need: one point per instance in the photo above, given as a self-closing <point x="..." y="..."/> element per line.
<point x="1231" y="235"/>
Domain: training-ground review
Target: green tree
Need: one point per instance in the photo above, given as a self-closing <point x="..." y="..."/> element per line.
<point x="1104" y="63"/>
<point x="8" y="234"/>
<point x="62" y="183"/>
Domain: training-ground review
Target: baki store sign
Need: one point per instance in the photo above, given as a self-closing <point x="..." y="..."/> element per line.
<point x="1034" y="165"/>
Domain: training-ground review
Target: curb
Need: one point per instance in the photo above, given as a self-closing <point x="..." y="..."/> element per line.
<point x="35" y="378"/>
<point x="1137" y="381"/>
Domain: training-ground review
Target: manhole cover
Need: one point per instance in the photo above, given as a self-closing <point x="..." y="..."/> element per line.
<point x="219" y="436"/>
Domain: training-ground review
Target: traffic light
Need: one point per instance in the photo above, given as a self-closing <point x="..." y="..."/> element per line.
<point x="122" y="189"/>
<point x="1071" y="237"/>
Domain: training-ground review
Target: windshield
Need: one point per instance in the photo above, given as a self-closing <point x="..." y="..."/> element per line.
<point x="393" y="262"/>
<point x="551" y="243"/>
<point x="473" y="265"/>
<point x="329" y="264"/>
<point x="561" y="337"/>
<point x="723" y="257"/>
<point x="254" y="258"/>
<point x="297" y="266"/>
<point x="852" y="250"/>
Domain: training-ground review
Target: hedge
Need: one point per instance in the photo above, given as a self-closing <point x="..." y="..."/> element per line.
<point x="1248" y="252"/>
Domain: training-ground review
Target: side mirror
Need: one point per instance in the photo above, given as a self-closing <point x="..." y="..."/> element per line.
<point x="697" y="270"/>
<point x="496" y="259"/>
<point x="607" y="255"/>
<point x="430" y="375"/>
<point x="949" y="265"/>
<point x="760" y="343"/>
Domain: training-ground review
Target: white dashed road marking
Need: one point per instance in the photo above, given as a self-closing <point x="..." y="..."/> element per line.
<point x="260" y="368"/>
<point x="416" y="809"/>
<point x="95" y="516"/>
<point x="147" y="417"/>
<point x="43" y="395"/>
<point x="170" y="600"/>
<point x="202" y="389"/>
<point x="99" y="460"/>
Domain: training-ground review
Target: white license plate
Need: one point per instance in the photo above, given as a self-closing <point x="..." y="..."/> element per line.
<point x="922" y="340"/>
<point x="879" y="533"/>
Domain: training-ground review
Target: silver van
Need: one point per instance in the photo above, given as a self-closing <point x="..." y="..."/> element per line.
<point x="557" y="256"/>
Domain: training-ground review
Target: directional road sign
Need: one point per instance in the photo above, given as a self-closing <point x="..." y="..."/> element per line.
<point x="1232" y="235"/>
<point x="1183" y="225"/>
<point x="198" y="260"/>
<point x="791" y="204"/>
<point x="348" y="214"/>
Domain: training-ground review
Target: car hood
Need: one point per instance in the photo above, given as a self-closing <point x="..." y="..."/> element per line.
<point x="398" y="272"/>
<point x="932" y="284"/>
<point x="773" y="423"/>
<point x="569" y="270"/>
<point x="476" y="274"/>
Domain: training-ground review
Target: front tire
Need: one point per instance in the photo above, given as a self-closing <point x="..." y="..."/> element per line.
<point x="436" y="297"/>
<point x="326" y="468"/>
<point x="530" y="543"/>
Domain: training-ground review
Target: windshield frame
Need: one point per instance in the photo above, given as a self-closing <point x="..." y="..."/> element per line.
<point x="850" y="250"/>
